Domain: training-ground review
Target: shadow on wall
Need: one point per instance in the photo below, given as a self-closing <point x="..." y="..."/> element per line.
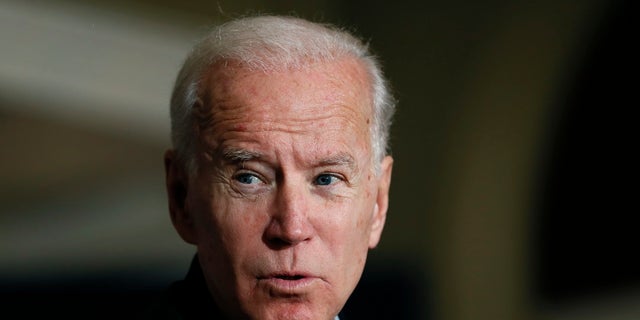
<point x="585" y="232"/>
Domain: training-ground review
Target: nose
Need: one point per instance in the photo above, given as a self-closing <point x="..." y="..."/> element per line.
<point x="290" y="224"/>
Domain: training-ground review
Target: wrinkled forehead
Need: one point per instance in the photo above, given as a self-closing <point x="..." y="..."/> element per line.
<point x="339" y="89"/>
<point x="325" y="102"/>
<point x="333" y="82"/>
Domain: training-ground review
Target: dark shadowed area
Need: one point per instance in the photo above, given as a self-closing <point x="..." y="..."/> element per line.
<point x="514" y="145"/>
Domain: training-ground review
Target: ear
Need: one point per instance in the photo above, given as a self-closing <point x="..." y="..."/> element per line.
<point x="177" y="183"/>
<point x="382" y="202"/>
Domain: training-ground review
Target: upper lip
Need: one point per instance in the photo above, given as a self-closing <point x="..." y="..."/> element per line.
<point x="287" y="275"/>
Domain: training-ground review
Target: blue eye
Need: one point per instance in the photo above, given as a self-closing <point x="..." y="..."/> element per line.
<point x="247" y="178"/>
<point x="325" y="179"/>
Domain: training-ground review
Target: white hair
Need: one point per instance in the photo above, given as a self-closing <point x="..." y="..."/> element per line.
<point x="265" y="43"/>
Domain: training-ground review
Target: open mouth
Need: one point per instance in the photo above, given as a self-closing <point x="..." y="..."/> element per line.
<point x="288" y="284"/>
<point x="289" y="277"/>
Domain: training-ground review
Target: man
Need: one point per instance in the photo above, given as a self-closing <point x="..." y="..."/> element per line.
<point x="279" y="173"/>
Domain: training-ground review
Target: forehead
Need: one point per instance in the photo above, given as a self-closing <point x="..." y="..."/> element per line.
<point x="333" y="94"/>
<point x="319" y="83"/>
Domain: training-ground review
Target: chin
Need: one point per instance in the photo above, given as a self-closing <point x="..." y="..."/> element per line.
<point x="290" y="310"/>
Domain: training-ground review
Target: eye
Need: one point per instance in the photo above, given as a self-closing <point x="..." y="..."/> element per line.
<point x="248" y="183"/>
<point x="247" y="178"/>
<point x="326" y="179"/>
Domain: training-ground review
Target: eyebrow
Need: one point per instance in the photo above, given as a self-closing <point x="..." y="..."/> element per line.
<point x="235" y="155"/>
<point x="340" y="159"/>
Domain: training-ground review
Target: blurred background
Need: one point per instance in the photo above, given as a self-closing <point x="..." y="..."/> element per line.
<point x="515" y="180"/>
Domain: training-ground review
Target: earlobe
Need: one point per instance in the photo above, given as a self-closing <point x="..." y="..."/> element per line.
<point x="176" y="184"/>
<point x="382" y="202"/>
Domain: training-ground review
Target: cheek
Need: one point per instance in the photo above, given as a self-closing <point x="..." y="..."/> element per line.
<point x="227" y="224"/>
<point x="238" y="223"/>
<point x="364" y="208"/>
<point x="230" y="239"/>
<point x="348" y="225"/>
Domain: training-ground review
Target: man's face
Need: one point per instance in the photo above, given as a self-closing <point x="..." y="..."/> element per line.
<point x="285" y="202"/>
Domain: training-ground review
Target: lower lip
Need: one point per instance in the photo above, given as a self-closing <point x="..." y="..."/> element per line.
<point x="288" y="286"/>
